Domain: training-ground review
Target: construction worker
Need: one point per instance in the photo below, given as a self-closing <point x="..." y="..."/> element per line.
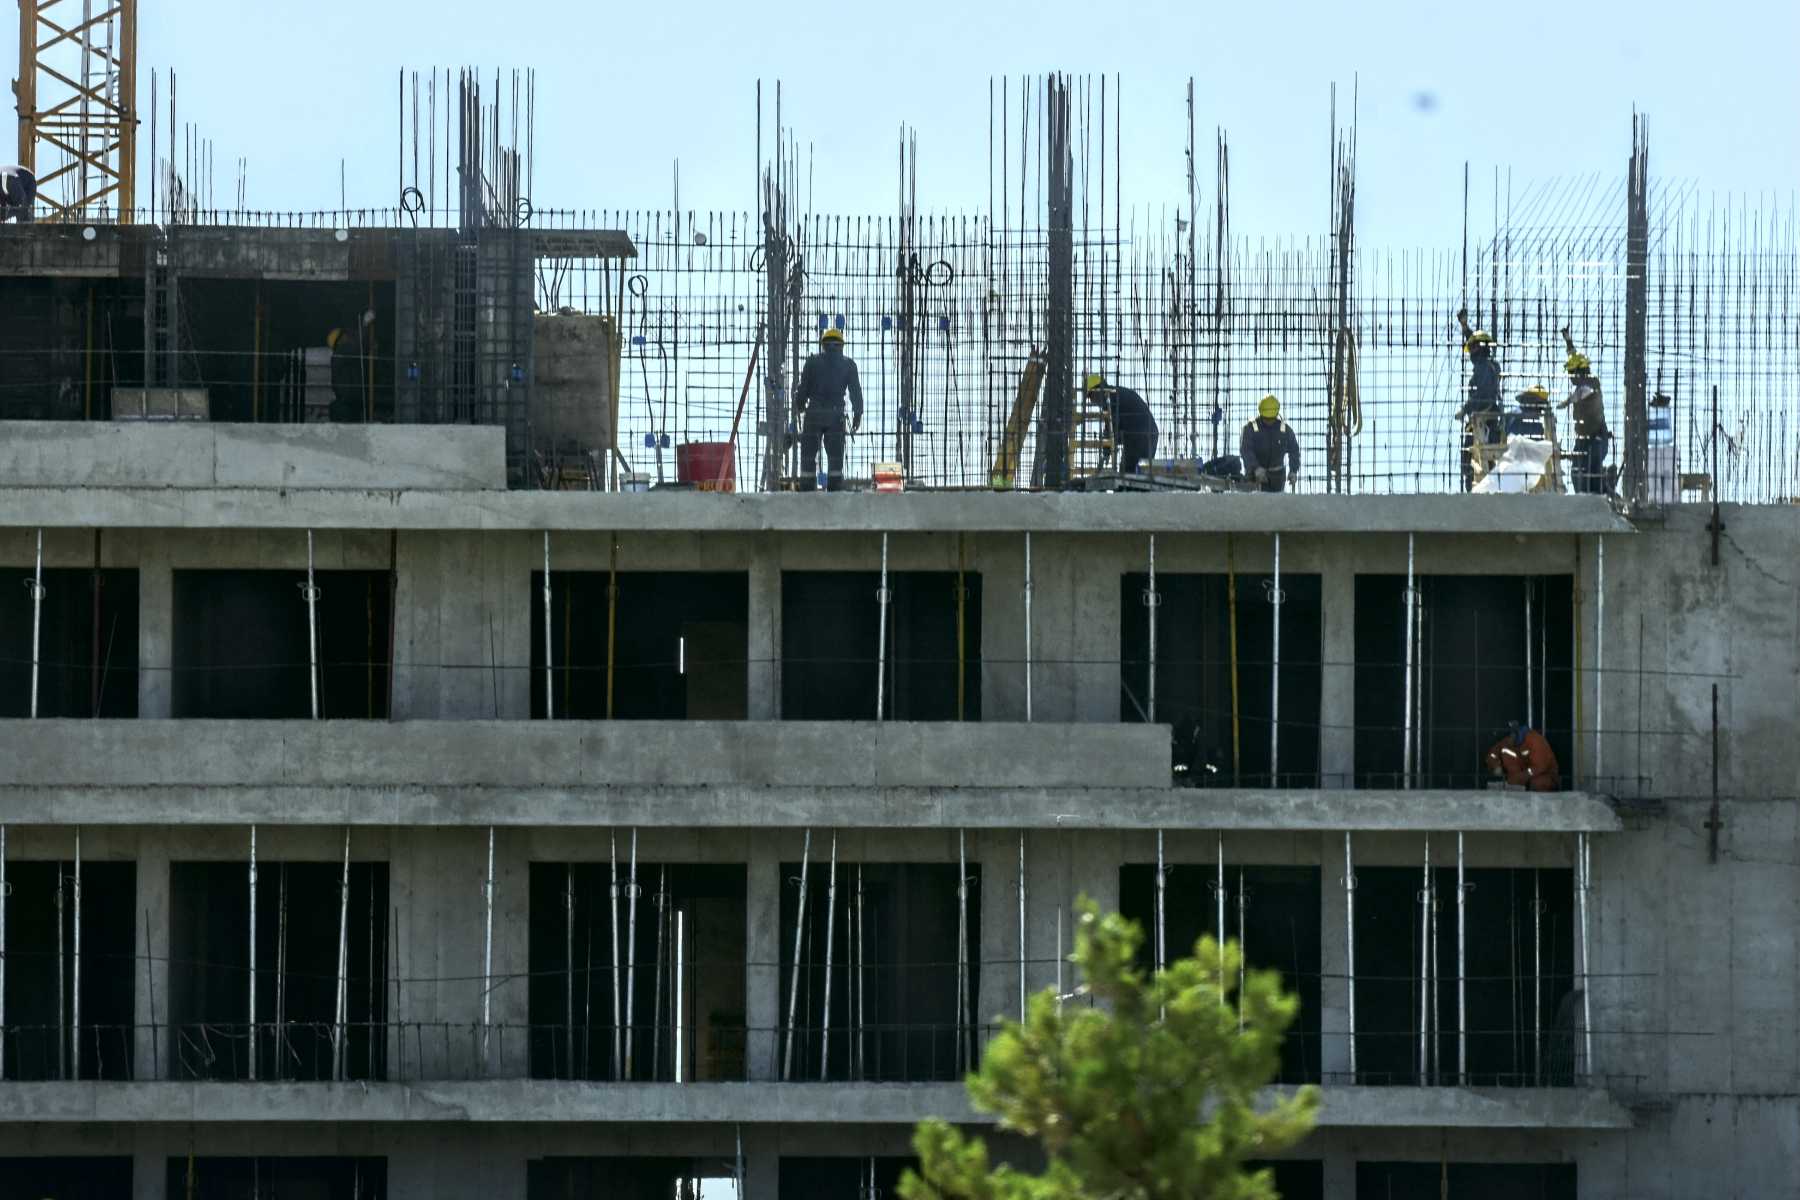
<point x="346" y="378"/>
<point x="18" y="192"/>
<point x="1269" y="448"/>
<point x="819" y="410"/>
<point x="1592" y="438"/>
<point x="1524" y="759"/>
<point x="1533" y="418"/>
<point x="1482" y="409"/>
<point x="1134" y="428"/>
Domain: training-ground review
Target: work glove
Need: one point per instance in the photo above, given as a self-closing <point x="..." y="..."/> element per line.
<point x="856" y="423"/>
<point x="1262" y="474"/>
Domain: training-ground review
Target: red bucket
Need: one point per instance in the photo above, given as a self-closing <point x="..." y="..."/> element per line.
<point x="709" y="466"/>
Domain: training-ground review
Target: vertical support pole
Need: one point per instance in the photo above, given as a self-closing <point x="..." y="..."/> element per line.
<point x="1410" y="606"/>
<point x="311" y="592"/>
<point x="75" y="984"/>
<point x="37" y="618"/>
<point x="618" y="1058"/>
<point x="1152" y="601"/>
<point x="793" y="1013"/>
<point x="1437" y="1053"/>
<point x="252" y="1055"/>
<point x="343" y="966"/>
<point x="1219" y="915"/>
<point x="631" y="901"/>
<point x="281" y="923"/>
<point x="1243" y="902"/>
<point x="549" y="641"/>
<point x="1537" y="983"/>
<point x="1584" y="865"/>
<point x="1530" y="720"/>
<point x="675" y="999"/>
<point x="830" y="936"/>
<point x="1275" y="598"/>
<point x="862" y="984"/>
<point x="487" y="951"/>
<point x="1599" y="662"/>
<point x="612" y="629"/>
<point x="62" y="966"/>
<point x="1425" y="968"/>
<point x="1022" y="1004"/>
<point x="1462" y="968"/>
<point x="962" y="606"/>
<point x="1161" y="904"/>
<point x="5" y="894"/>
<point x="881" y="599"/>
<point x="569" y="964"/>
<point x="1237" y="764"/>
<point x="1028" y="626"/>
<point x="962" y="947"/>
<point x="1350" y="945"/>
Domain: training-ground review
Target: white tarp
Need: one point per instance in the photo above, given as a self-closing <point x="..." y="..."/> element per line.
<point x="1524" y="466"/>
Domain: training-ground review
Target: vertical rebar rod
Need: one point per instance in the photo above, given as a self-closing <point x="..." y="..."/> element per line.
<point x="631" y="899"/>
<point x="75" y="984"/>
<point x="252" y="1054"/>
<point x="1584" y="883"/>
<point x="1275" y="598"/>
<point x="1406" y="742"/>
<point x="618" y="1058"/>
<point x="343" y="966"/>
<point x="830" y="936"/>
<point x="37" y="618"/>
<point x="549" y="644"/>
<point x="793" y="1013"/>
<point x="1462" y="968"/>
<point x="1350" y="946"/>
<point x="1425" y="967"/>
<point x="487" y="951"/>
<point x="1151" y="600"/>
<point x="312" y="626"/>
<point x="1028" y="626"/>
<point x="881" y="598"/>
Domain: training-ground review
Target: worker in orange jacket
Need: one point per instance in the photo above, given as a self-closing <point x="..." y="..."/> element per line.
<point x="1524" y="759"/>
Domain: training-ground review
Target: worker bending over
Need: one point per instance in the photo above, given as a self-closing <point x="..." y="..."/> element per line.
<point x="819" y="410"/>
<point x="1592" y="438"/>
<point x="1482" y="409"/>
<point x="1134" y="428"/>
<point x="18" y="192"/>
<point x="1269" y="448"/>
<point x="1524" y="759"/>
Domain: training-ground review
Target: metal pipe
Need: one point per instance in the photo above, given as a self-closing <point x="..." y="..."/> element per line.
<point x="962" y="944"/>
<point x="1585" y="882"/>
<point x="311" y="592"/>
<point x="252" y="1055"/>
<point x="1599" y="661"/>
<point x="1022" y="1006"/>
<point x="1219" y="916"/>
<point x="1276" y="598"/>
<point x="618" y="999"/>
<point x="1028" y="626"/>
<point x="549" y="644"/>
<point x="787" y="1056"/>
<point x="1528" y="707"/>
<point x="1350" y="945"/>
<point x="1151" y="603"/>
<point x="881" y="599"/>
<point x="1161" y="903"/>
<point x="862" y="984"/>
<point x="1406" y="742"/>
<point x="675" y="1000"/>
<point x="1243" y="901"/>
<point x="569" y="963"/>
<point x="75" y="986"/>
<point x="830" y="936"/>
<point x="487" y="951"/>
<point x="37" y="618"/>
<point x="1462" y="968"/>
<point x="1425" y="967"/>
<point x="631" y="899"/>
<point x="281" y="974"/>
<point x="656" y="989"/>
<point x="343" y="965"/>
<point x="612" y="629"/>
<point x="5" y="893"/>
<point x="1437" y="1055"/>
<point x="1537" y="985"/>
<point x="62" y="998"/>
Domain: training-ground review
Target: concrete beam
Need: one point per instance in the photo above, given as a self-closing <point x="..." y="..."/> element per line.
<point x="395" y="507"/>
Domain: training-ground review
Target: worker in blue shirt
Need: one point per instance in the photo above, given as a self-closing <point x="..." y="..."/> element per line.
<point x="1482" y="409"/>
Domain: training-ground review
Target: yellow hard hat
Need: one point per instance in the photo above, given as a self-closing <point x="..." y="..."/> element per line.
<point x="1536" y="391"/>
<point x="331" y="339"/>
<point x="1479" y="337"/>
<point x="1094" y="382"/>
<point x="1269" y="406"/>
<point x="1577" y="364"/>
<point x="832" y="335"/>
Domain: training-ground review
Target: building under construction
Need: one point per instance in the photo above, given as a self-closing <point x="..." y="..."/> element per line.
<point x="405" y="797"/>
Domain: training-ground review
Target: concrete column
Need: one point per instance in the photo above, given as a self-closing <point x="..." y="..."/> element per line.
<point x="1001" y="561"/>
<point x="1340" y="1176"/>
<point x="764" y="647"/>
<point x="150" y="984"/>
<point x="509" y="1046"/>
<point x="998" y="852"/>
<point x="763" y="984"/>
<point x="156" y="629"/>
<point x="762" y="1176"/>
<point x="1334" y="991"/>
<point x="149" y="1171"/>
<point x="408" y="617"/>
<point x="1337" y="689"/>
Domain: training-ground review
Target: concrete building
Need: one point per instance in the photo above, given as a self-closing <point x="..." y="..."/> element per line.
<point x="432" y="944"/>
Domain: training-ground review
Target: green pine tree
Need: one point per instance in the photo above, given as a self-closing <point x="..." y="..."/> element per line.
<point x="1149" y="1093"/>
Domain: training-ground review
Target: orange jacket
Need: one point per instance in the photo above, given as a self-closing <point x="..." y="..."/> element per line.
<point x="1531" y="764"/>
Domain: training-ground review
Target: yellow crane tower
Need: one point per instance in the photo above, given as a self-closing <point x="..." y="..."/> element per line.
<point x="76" y="94"/>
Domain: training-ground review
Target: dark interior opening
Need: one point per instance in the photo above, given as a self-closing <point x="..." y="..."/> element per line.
<point x="241" y="641"/>
<point x="1516" y="917"/>
<point x="830" y="646"/>
<point x="1280" y="931"/>
<point x="41" y="970"/>
<point x="680" y="645"/>
<point x="1222" y="741"/>
<point x="682" y="973"/>
<point x="1469" y="673"/>
<point x="66" y="1178"/>
<point x="87" y="663"/>
<point x="1466" y="1181"/>
<point x="849" y="1178"/>
<point x="301" y="915"/>
<point x="66" y="344"/>
<point x="1295" y="1178"/>
<point x="895" y="976"/>
<point x="625" y="1178"/>
<point x="335" y="1178"/>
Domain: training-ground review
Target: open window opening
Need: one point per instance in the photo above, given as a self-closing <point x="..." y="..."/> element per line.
<point x="321" y="971"/>
<point x="67" y="343"/>
<point x="1466" y="1181"/>
<point x="1244" y="707"/>
<point x="1295" y="1178"/>
<point x="69" y="943"/>
<point x="1486" y="650"/>
<point x="888" y="985"/>
<point x="245" y="643"/>
<point x="633" y="1178"/>
<point x="1519" y="964"/>
<point x="842" y="1178"/>
<point x="642" y="981"/>
<point x="87" y="642"/>
<point x="1271" y="911"/>
<point x="66" y="1178"/>
<point x="833" y="654"/>
<point x="322" y="1178"/>
<point x="674" y="646"/>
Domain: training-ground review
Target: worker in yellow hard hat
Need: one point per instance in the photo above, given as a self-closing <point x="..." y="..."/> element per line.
<point x="346" y="376"/>
<point x="1592" y="438"/>
<point x="1133" y="425"/>
<point x="1269" y="448"/>
<point x="819" y="410"/>
<point x="1534" y="409"/>
<point x="1480" y="413"/>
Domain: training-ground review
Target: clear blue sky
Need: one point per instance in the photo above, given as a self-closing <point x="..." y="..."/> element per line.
<point x="1543" y="88"/>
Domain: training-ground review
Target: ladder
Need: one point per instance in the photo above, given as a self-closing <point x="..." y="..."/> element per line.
<point x="1091" y="445"/>
<point x="162" y="364"/>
